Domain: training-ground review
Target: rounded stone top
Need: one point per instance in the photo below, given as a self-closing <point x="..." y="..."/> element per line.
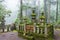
<point x="42" y="16"/>
<point x="33" y="14"/>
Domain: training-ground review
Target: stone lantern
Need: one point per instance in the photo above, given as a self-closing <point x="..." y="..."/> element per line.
<point x="37" y="28"/>
<point x="25" y="20"/>
<point x="21" y="27"/>
<point x="34" y="19"/>
<point x="42" y="24"/>
<point x="42" y="18"/>
<point x="33" y="16"/>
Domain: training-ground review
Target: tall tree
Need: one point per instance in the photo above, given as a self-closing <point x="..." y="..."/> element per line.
<point x="21" y="10"/>
<point x="45" y="9"/>
<point x="3" y="13"/>
<point x="57" y="12"/>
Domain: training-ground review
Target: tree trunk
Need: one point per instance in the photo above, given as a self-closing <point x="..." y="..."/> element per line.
<point x="57" y="12"/>
<point x="2" y="29"/>
<point x="45" y="9"/>
<point x="7" y="29"/>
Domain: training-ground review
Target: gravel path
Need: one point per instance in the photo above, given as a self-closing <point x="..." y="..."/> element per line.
<point x="10" y="36"/>
<point x="57" y="35"/>
<point x="14" y="36"/>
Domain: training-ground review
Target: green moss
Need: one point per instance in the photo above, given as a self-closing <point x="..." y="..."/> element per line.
<point x="50" y="39"/>
<point x="42" y="17"/>
<point x="38" y="36"/>
<point x="38" y="24"/>
<point x="33" y="14"/>
<point x="21" y="24"/>
<point x="29" y="37"/>
<point x="20" y="33"/>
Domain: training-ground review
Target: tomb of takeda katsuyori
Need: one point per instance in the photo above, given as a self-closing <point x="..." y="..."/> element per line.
<point x="36" y="29"/>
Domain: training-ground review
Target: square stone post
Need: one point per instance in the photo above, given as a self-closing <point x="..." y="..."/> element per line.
<point x="41" y="30"/>
<point x="34" y="27"/>
<point x="37" y="29"/>
<point x="45" y="30"/>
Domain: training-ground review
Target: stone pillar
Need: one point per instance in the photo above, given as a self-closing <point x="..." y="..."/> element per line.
<point x="34" y="27"/>
<point x="41" y="31"/>
<point x="45" y="30"/>
<point x="37" y="30"/>
<point x="24" y="28"/>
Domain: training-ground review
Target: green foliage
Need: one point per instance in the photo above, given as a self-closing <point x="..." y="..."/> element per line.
<point x="50" y="39"/>
<point x="38" y="36"/>
<point x="29" y="37"/>
<point x="3" y="12"/>
<point x="17" y="21"/>
<point x="20" y="33"/>
<point x="58" y="22"/>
